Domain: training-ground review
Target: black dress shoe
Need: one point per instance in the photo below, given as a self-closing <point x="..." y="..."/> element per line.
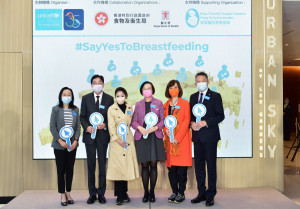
<point x="91" y="200"/>
<point x="210" y="201"/>
<point x="146" y="197"/>
<point x="126" y="198"/>
<point x="70" y="202"/>
<point x="199" y="199"/>
<point x="101" y="199"/>
<point x="63" y="203"/>
<point x="152" y="197"/>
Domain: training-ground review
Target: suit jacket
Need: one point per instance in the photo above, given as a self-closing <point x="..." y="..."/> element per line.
<point x="122" y="164"/>
<point x="214" y="115"/>
<point x="88" y="106"/>
<point x="138" y="117"/>
<point x="57" y="121"/>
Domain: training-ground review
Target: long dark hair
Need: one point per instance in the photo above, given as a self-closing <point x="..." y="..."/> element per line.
<point x="71" y="105"/>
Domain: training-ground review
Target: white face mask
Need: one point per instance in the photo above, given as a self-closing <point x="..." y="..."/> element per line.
<point x="97" y="88"/>
<point x="202" y="86"/>
<point x="66" y="100"/>
<point x="120" y="100"/>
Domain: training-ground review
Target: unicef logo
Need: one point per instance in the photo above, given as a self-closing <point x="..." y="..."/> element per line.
<point x="192" y="18"/>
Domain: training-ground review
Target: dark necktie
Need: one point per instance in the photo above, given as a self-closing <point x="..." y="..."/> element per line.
<point x="201" y="96"/>
<point x="97" y="103"/>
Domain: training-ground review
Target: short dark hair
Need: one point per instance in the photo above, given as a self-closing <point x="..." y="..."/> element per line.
<point x="60" y="102"/>
<point x="121" y="89"/>
<point x="97" y="76"/>
<point x="143" y="84"/>
<point x="170" y="84"/>
<point x="201" y="74"/>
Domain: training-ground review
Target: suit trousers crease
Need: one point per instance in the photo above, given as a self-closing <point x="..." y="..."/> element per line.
<point x="91" y="150"/>
<point x="205" y="153"/>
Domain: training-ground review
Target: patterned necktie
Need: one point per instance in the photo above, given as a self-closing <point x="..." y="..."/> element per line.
<point x="97" y="103"/>
<point x="201" y="96"/>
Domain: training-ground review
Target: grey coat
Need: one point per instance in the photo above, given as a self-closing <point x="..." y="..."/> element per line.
<point x="57" y="122"/>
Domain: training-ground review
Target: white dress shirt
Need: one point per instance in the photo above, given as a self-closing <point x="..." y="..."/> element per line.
<point x="100" y="97"/>
<point x="204" y="93"/>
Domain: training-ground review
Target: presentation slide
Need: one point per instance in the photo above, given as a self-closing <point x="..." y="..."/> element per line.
<point x="129" y="42"/>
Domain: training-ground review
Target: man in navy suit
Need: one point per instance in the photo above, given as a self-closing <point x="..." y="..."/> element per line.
<point x="97" y="101"/>
<point x="205" y="135"/>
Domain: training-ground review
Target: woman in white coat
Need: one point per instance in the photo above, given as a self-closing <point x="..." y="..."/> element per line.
<point x="122" y="160"/>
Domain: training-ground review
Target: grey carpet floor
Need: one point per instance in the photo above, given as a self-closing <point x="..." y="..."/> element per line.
<point x="248" y="198"/>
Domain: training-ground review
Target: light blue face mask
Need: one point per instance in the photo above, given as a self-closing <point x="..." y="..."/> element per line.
<point x="286" y="101"/>
<point x="202" y="86"/>
<point x="66" y="100"/>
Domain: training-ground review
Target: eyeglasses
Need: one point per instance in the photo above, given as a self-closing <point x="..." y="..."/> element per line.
<point x="97" y="83"/>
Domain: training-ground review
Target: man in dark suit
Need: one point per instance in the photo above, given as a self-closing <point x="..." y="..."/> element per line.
<point x="97" y="101"/>
<point x="205" y="135"/>
<point x="287" y="119"/>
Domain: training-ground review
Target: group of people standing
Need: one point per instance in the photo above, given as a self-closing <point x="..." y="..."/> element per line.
<point x="146" y="146"/>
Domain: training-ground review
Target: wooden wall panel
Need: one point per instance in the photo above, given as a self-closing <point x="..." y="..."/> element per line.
<point x="11" y="141"/>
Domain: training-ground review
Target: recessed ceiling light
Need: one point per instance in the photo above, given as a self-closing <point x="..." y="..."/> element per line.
<point x="286" y="44"/>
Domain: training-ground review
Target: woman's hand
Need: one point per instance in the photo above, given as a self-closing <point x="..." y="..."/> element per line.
<point x="121" y="143"/>
<point x="174" y="141"/>
<point x="152" y="129"/>
<point x="63" y="143"/>
<point x="168" y="132"/>
<point x="142" y="130"/>
<point x="74" y="145"/>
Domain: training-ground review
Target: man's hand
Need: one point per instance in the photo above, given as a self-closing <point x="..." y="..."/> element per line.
<point x="102" y="126"/>
<point x="203" y="123"/>
<point x="90" y="129"/>
<point x="195" y="126"/>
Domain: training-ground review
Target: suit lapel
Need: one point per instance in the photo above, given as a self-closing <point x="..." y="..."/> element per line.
<point x="208" y="94"/>
<point x="92" y="102"/>
<point x="143" y="108"/>
<point x="102" y="102"/>
<point x="61" y="113"/>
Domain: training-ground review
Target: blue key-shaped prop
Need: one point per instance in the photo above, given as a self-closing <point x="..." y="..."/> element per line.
<point x="66" y="134"/>
<point x="171" y="123"/>
<point x="151" y="120"/>
<point x="199" y="111"/>
<point x="122" y="131"/>
<point x="96" y="119"/>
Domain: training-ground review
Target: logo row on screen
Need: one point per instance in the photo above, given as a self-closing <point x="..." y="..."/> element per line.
<point x="73" y="19"/>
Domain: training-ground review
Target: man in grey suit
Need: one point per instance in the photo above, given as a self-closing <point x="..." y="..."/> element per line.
<point x="97" y="101"/>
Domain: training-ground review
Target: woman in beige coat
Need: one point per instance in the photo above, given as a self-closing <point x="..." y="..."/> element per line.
<point x="122" y="160"/>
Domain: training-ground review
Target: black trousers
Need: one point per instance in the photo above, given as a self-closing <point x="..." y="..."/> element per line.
<point x="206" y="153"/>
<point x="65" y="161"/>
<point x="178" y="178"/>
<point x="91" y="161"/>
<point x="121" y="187"/>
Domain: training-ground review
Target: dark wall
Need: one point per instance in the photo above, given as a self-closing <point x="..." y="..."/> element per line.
<point x="291" y="89"/>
